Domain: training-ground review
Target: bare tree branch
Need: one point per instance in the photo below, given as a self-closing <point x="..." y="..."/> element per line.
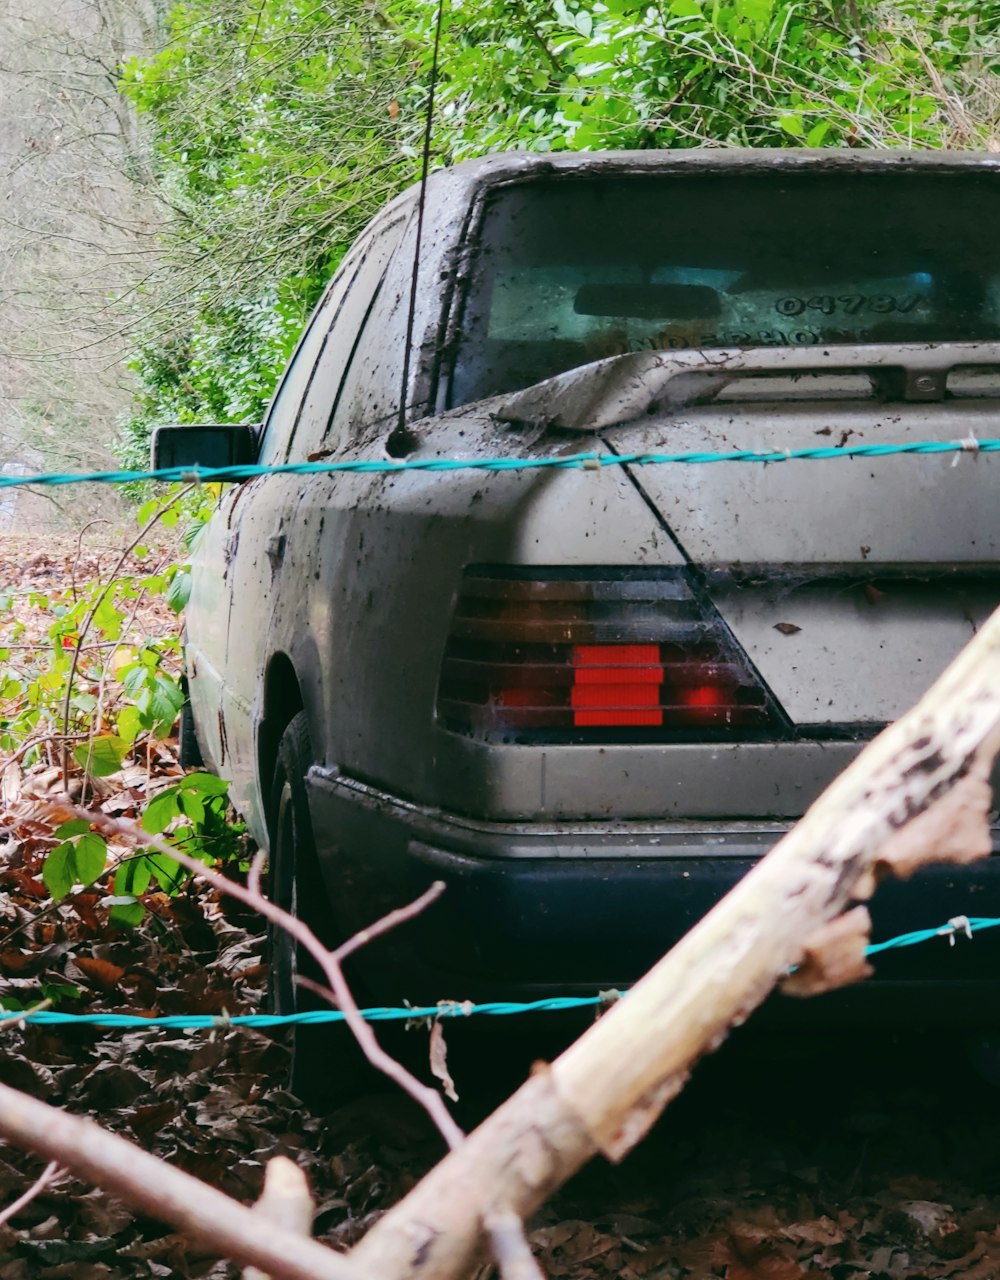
<point x="157" y="1188"/>
<point x="49" y="1174"/>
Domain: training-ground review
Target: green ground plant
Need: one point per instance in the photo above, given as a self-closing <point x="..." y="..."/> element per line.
<point x="89" y="690"/>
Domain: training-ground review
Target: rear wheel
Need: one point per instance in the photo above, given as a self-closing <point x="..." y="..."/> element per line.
<point x="327" y="1067"/>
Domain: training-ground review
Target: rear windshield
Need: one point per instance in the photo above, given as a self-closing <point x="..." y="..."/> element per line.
<point x="575" y="269"/>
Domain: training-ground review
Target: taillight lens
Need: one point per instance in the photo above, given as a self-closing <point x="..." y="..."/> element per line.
<point x="586" y="653"/>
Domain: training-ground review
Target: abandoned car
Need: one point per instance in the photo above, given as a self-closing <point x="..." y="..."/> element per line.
<point x="589" y="699"/>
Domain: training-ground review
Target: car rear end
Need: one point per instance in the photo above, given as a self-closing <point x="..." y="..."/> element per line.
<point x="638" y="687"/>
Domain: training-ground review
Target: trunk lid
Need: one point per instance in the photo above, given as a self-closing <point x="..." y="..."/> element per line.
<point x="849" y="581"/>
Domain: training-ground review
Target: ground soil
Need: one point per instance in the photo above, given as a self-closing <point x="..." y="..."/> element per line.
<point x="841" y="1156"/>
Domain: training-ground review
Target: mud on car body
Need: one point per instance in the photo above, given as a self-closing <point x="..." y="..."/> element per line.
<point x="588" y="701"/>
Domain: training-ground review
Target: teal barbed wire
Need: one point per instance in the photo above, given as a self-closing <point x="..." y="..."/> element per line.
<point x="959" y="925"/>
<point x="585" y="461"/>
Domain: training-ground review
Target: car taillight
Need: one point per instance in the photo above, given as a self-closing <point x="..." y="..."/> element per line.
<point x="585" y="651"/>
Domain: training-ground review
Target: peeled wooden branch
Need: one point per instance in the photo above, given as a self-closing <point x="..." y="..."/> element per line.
<point x="158" y="1189"/>
<point x="285" y="1201"/>
<point x="918" y="793"/>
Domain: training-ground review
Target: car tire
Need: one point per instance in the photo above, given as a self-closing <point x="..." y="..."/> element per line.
<point x="326" y="1067"/>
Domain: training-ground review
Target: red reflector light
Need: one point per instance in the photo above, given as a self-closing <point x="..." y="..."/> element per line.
<point x="615" y="695"/>
<point x="575" y="653"/>
<point x="616" y="684"/>
<point x="617" y="663"/>
<point x="705" y="695"/>
<point x="619" y="716"/>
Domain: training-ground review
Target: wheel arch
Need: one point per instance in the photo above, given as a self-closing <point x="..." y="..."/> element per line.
<point x="282" y="700"/>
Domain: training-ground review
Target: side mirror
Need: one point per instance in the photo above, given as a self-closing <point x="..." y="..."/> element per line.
<point x="203" y="446"/>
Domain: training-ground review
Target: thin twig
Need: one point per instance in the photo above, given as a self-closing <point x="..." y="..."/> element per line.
<point x="49" y="1174"/>
<point x="250" y="895"/>
<point x="25" y="747"/>
<point x="79" y="548"/>
<point x="399" y="916"/>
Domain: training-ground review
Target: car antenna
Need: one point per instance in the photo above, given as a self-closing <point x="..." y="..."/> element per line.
<point x="401" y="440"/>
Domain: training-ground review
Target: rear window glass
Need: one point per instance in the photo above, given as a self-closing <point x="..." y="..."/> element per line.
<point x="573" y="270"/>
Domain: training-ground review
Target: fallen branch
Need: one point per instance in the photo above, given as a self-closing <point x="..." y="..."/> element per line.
<point x="152" y="1186"/>
<point x="606" y="1090"/>
<point x="285" y="1201"/>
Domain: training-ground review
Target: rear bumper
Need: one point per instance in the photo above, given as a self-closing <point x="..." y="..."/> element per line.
<point x="534" y="909"/>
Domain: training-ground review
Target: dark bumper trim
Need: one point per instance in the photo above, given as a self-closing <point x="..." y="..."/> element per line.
<point x="566" y="909"/>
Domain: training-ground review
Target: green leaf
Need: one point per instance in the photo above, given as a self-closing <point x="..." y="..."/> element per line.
<point x="90" y="856"/>
<point x="165" y="701"/>
<point x="101" y="756"/>
<point x="134" y="679"/>
<point x="686" y="9"/>
<point x="205" y="783"/>
<point x="755" y="10"/>
<point x="129" y="722"/>
<point x="108" y="618"/>
<point x="56" y="991"/>
<point x="161" y="811"/>
<point x="817" y="133"/>
<point x="59" y="871"/>
<point x="126" y="915"/>
<point x="133" y="877"/>
<point x="792" y="125"/>
<point x="170" y="874"/>
<point x="179" y="591"/>
<point x="75" y="827"/>
<point x="192" y="805"/>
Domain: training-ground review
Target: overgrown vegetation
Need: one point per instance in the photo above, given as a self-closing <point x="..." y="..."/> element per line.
<point x="276" y="135"/>
<point x="278" y="127"/>
<point x="90" y="690"/>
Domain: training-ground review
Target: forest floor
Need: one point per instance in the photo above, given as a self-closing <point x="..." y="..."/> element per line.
<point x="847" y="1157"/>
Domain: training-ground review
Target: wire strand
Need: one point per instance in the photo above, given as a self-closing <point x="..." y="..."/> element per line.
<point x="966" y="926"/>
<point x="587" y="461"/>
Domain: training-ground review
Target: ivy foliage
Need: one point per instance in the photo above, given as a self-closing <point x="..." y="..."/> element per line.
<point x="276" y="135"/>
<point x="759" y="73"/>
<point x="279" y="127"/>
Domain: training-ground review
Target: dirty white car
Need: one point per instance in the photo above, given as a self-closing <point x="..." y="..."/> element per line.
<point x="588" y="700"/>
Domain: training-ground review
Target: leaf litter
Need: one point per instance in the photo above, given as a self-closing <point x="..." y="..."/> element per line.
<point x="847" y="1159"/>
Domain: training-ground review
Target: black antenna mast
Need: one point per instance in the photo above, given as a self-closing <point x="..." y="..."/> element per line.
<point x="399" y="440"/>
